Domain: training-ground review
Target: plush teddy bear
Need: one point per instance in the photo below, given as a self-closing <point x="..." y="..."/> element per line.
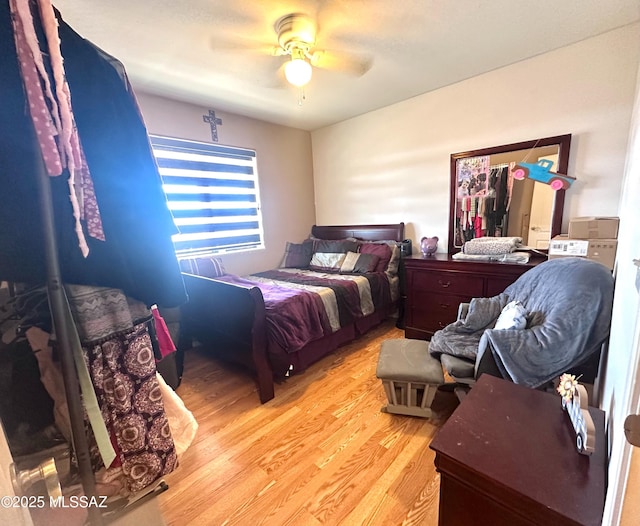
<point x="429" y="245"/>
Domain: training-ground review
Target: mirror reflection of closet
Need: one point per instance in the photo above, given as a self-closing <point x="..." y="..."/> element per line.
<point x="532" y="209"/>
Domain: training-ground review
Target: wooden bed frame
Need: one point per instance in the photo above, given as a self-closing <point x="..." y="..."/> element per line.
<point x="230" y="319"/>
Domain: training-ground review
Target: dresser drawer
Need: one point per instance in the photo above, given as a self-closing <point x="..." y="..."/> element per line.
<point x="446" y="282"/>
<point x="431" y="311"/>
<point x="436" y="303"/>
<point x="426" y="321"/>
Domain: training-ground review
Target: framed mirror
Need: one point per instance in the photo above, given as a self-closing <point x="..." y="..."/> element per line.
<point x="487" y="200"/>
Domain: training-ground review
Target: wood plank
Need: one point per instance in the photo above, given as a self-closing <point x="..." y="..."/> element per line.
<point x="371" y="507"/>
<point x="320" y="452"/>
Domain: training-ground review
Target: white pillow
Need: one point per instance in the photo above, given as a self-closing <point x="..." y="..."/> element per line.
<point x="327" y="261"/>
<point x="513" y="316"/>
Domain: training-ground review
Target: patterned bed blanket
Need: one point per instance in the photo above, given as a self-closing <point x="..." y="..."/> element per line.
<point x="303" y="305"/>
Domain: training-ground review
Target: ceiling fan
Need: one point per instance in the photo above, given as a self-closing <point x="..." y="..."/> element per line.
<point x="296" y="34"/>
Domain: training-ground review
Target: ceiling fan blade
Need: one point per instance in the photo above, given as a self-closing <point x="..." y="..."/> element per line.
<point x="337" y="61"/>
<point x="244" y="45"/>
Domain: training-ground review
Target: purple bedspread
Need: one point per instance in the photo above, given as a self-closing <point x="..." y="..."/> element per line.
<point x="297" y="317"/>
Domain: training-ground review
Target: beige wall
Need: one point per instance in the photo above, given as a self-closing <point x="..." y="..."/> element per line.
<point x="393" y="164"/>
<point x="284" y="171"/>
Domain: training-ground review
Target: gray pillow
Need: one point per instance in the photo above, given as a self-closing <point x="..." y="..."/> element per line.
<point x="297" y="255"/>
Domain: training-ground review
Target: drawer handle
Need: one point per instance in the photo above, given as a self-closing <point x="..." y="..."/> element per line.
<point x="444" y="305"/>
<point x="444" y="284"/>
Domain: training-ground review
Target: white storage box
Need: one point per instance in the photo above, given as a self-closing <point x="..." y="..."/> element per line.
<point x="600" y="250"/>
<point x="563" y="246"/>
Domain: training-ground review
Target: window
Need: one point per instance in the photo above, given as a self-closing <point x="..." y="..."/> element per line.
<point x="213" y="195"/>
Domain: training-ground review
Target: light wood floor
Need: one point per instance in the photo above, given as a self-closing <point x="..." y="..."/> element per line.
<point x="321" y="452"/>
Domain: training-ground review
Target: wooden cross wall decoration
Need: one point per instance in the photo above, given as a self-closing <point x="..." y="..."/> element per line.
<point x="213" y="122"/>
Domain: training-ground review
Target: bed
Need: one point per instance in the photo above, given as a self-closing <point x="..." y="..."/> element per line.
<point x="273" y="322"/>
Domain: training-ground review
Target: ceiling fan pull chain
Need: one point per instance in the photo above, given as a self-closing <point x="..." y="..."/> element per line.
<point x="301" y="96"/>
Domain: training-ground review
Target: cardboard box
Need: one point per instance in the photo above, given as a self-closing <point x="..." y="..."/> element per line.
<point x="600" y="250"/>
<point x="563" y="246"/>
<point x="593" y="228"/>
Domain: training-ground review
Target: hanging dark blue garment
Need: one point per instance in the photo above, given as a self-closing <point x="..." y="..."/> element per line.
<point x="138" y="255"/>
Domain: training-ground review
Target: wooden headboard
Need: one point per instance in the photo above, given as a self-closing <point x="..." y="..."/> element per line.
<point x="365" y="232"/>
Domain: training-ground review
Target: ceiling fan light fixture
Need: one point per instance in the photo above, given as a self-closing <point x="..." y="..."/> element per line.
<point x="298" y="72"/>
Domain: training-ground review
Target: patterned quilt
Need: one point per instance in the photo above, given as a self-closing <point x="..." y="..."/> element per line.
<point x="304" y="305"/>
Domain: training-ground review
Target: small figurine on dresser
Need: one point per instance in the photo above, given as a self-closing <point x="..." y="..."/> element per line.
<point x="429" y="245"/>
<point x="575" y="402"/>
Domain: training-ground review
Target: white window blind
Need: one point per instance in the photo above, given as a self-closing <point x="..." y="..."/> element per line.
<point x="213" y="194"/>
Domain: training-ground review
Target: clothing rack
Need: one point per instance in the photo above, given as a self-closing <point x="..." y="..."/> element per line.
<point x="39" y="250"/>
<point x="68" y="339"/>
<point x="69" y="344"/>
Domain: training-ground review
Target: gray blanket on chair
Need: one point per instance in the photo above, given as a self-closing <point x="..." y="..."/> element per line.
<point x="568" y="301"/>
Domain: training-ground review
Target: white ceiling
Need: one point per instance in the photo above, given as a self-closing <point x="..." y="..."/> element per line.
<point x="216" y="53"/>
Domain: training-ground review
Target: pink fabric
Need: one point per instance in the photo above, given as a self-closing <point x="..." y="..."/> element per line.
<point x="477" y="224"/>
<point x="162" y="333"/>
<point x="53" y="118"/>
<point x="90" y="210"/>
<point x="42" y="121"/>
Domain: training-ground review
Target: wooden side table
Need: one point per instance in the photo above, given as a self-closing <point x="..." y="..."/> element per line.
<point x="507" y="456"/>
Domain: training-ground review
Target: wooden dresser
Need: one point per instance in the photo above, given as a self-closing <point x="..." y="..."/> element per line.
<point x="507" y="457"/>
<point x="435" y="286"/>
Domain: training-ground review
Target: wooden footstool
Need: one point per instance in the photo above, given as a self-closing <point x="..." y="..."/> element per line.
<point x="410" y="376"/>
